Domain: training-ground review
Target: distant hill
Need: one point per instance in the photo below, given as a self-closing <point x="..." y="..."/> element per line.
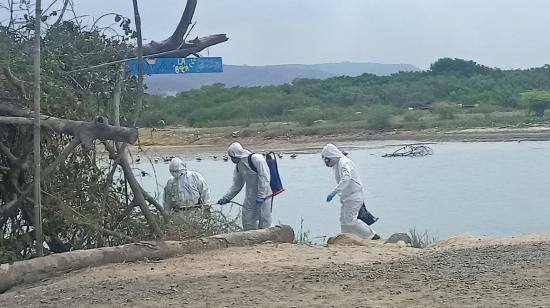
<point x="253" y="76"/>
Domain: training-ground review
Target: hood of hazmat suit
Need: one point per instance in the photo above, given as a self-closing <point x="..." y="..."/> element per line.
<point x="237" y="150"/>
<point x="177" y="167"/>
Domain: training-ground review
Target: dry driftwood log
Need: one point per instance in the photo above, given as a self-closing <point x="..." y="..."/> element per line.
<point x="175" y="45"/>
<point x="45" y="267"/>
<point x="177" y="38"/>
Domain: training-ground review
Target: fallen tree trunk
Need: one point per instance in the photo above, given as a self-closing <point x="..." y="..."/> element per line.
<point x="86" y="132"/>
<point x="37" y="269"/>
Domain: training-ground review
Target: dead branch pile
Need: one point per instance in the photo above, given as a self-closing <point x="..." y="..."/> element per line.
<point x="411" y="151"/>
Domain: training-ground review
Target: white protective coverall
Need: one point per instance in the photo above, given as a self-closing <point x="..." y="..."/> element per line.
<point x="254" y="216"/>
<point x="350" y="190"/>
<point x="185" y="187"/>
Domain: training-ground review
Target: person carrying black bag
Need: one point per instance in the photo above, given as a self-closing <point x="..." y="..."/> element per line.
<point x="350" y="190"/>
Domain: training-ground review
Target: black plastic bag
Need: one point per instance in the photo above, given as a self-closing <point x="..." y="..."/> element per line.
<point x="366" y="216"/>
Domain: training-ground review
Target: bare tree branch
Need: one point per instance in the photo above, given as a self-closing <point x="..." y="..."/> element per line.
<point x="61" y="14"/>
<point x="176" y="39"/>
<point x="81" y="221"/>
<point x="137" y="190"/>
<point x="188" y="33"/>
<point x="13" y="205"/>
<point x="74" y="14"/>
<point x="11" y="14"/>
<point x="92" y="27"/>
<point x="175" y="45"/>
<point x="199" y="45"/>
<point x="157" y="205"/>
<point x="87" y="132"/>
<point x="196" y="46"/>
<point x="12" y="159"/>
<point x="16" y="82"/>
<point x="49" y="7"/>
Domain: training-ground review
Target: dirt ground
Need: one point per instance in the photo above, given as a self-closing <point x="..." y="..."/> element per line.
<point x="207" y="141"/>
<point x="212" y="137"/>
<point x="463" y="271"/>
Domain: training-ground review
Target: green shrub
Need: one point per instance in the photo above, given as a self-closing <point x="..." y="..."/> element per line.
<point x="345" y="99"/>
<point x="412" y="116"/>
<point x="379" y="118"/>
<point x="445" y="111"/>
<point x="537" y="101"/>
<point x="308" y="116"/>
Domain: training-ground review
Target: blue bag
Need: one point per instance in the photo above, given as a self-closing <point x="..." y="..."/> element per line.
<point x="275" y="179"/>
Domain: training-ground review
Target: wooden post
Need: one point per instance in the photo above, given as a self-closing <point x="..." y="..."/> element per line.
<point x="36" y="141"/>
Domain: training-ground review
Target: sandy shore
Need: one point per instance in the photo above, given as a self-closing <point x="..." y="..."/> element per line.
<point x="462" y="271"/>
<point x="184" y="140"/>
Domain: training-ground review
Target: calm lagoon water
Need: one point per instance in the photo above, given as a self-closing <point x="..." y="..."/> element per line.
<point x="498" y="189"/>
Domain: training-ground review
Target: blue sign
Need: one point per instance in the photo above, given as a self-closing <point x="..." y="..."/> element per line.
<point x="177" y="65"/>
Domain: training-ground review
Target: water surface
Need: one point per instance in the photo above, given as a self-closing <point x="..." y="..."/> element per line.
<point x="483" y="188"/>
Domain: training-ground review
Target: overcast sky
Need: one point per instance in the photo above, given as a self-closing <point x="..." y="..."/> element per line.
<point x="501" y="33"/>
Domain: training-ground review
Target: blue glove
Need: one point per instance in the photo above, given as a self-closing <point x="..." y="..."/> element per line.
<point x="259" y="200"/>
<point x="222" y="201"/>
<point x="331" y="196"/>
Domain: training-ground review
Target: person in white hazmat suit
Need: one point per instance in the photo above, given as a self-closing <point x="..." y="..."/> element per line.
<point x="184" y="188"/>
<point x="256" y="212"/>
<point x="350" y="190"/>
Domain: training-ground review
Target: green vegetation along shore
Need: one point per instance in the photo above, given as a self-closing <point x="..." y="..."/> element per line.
<point x="453" y="93"/>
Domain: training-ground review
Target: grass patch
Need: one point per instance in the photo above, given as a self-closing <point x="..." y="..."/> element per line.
<point x="421" y="240"/>
<point x="304" y="237"/>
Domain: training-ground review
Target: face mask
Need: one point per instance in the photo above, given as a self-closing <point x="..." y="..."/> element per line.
<point x="235" y="160"/>
<point x="329" y="162"/>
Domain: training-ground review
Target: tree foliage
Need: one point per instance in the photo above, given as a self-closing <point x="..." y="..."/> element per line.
<point x="537" y="101"/>
<point x="85" y="201"/>
<point x="458" y="67"/>
<point x="454" y="81"/>
<point x="444" y="110"/>
<point x="86" y="193"/>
